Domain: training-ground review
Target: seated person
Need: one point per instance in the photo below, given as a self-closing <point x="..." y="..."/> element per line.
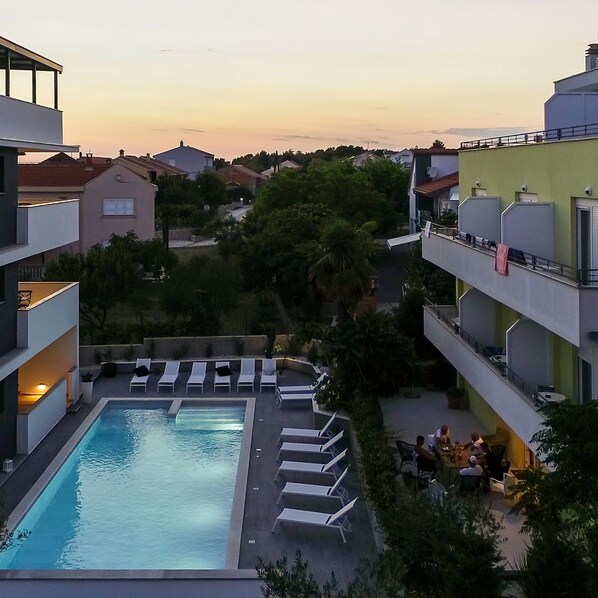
<point x="475" y="445"/>
<point x="425" y="460"/>
<point x="442" y="436"/>
<point x="474" y="468"/>
<point x="494" y="464"/>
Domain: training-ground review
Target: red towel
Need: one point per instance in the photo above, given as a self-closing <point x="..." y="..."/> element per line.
<point x="501" y="263"/>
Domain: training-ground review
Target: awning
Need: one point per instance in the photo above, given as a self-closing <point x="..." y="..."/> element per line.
<point x="396" y="241"/>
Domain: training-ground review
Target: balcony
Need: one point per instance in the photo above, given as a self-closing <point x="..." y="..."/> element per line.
<point x="505" y="392"/>
<point x="553" y="295"/>
<point x="53" y="311"/>
<point x="41" y="227"/>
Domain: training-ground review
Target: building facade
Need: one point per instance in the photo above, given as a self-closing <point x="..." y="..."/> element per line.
<point x="524" y="326"/>
<point x="39" y="339"/>
<point x="190" y="159"/>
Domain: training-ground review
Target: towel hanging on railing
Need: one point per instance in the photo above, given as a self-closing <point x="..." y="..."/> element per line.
<point x="501" y="263"/>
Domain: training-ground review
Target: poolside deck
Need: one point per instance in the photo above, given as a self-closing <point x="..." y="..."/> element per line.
<point x="323" y="549"/>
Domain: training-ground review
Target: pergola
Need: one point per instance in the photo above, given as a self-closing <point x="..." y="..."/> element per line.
<point x="16" y="58"/>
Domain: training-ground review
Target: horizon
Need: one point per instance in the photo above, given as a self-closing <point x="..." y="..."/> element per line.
<point x="304" y="77"/>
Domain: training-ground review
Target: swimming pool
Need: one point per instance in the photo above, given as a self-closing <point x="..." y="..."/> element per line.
<point x="141" y="490"/>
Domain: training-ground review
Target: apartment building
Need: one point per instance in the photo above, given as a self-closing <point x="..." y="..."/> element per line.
<point x="526" y="261"/>
<point x="39" y="340"/>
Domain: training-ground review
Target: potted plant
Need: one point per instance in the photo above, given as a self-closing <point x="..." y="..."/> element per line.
<point x="87" y="386"/>
<point x="457" y="397"/>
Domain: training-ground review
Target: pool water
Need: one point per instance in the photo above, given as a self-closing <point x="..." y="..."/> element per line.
<point x="141" y="491"/>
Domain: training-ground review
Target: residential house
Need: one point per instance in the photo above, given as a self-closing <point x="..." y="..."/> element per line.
<point x="284" y="164"/>
<point x="237" y="175"/>
<point x="39" y="321"/>
<point x="112" y="198"/>
<point x="428" y="165"/>
<point x="146" y="167"/>
<point x="523" y="330"/>
<point x="404" y="157"/>
<point x="439" y="195"/>
<point x="190" y="159"/>
<point x="362" y="159"/>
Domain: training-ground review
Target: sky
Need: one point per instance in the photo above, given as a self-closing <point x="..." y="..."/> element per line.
<point x="235" y="77"/>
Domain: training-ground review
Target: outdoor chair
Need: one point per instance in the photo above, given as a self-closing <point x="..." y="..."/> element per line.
<point x="311" y="468"/>
<point x="293" y="399"/>
<point x="140" y="376"/>
<point x="471" y="485"/>
<point x="310" y="449"/>
<point x="222" y="375"/>
<point x="503" y="486"/>
<point x="247" y="375"/>
<point x="171" y="373"/>
<point x="337" y="520"/>
<point x="311" y="388"/>
<point x="198" y="375"/>
<point x="268" y="375"/>
<point x="316" y="490"/>
<point x="308" y="433"/>
<point x="405" y="453"/>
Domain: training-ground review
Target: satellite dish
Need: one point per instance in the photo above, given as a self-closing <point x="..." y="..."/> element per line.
<point x="432" y="172"/>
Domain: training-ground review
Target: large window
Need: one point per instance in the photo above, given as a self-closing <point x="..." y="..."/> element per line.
<point x="2" y="183"/>
<point x="119" y="207"/>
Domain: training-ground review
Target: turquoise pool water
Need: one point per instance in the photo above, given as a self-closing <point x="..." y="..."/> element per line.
<point x="140" y="491"/>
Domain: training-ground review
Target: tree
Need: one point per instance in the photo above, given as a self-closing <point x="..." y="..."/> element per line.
<point x="340" y="264"/>
<point x="177" y="197"/>
<point x="212" y="189"/>
<point x="437" y="144"/>
<point x="560" y="502"/>
<point x="105" y="275"/>
<point x="199" y="292"/>
<point x="392" y="180"/>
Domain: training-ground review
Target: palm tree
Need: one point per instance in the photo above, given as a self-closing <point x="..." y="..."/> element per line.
<point x="340" y="263"/>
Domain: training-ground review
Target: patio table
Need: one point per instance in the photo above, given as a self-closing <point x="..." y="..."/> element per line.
<point x="455" y="458"/>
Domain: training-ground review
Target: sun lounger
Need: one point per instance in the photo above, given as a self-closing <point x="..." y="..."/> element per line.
<point x="307" y="433"/>
<point x="222" y="380"/>
<point x="310" y="449"/>
<point x="321" y="381"/>
<point x="141" y="381"/>
<point x="247" y="375"/>
<point x="171" y="373"/>
<point x="198" y="375"/>
<point x="268" y="375"/>
<point x="293" y="399"/>
<point x="290" y="467"/>
<point x="316" y="490"/>
<point x="337" y="520"/>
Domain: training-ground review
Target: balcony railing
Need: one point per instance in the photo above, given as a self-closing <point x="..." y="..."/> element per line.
<point x="589" y="130"/>
<point x="580" y="276"/>
<point x="506" y="372"/>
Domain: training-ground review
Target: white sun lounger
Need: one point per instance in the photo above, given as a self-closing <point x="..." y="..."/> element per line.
<point x="306" y="432"/>
<point x="337" y="520"/>
<point x="247" y="375"/>
<point x="292" y="399"/>
<point x="310" y="449"/>
<point x="221" y="381"/>
<point x="305" y="387"/>
<point x="316" y="490"/>
<point x="140" y="381"/>
<point x="268" y="380"/>
<point x="303" y="467"/>
<point x="198" y="375"/>
<point x="171" y="373"/>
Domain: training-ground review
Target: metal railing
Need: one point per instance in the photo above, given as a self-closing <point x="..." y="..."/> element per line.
<point x="34" y="273"/>
<point x="506" y="372"/>
<point x="581" y="276"/>
<point x="589" y="130"/>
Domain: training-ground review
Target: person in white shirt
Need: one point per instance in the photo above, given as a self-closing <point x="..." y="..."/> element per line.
<point x="474" y="446"/>
<point x="442" y="436"/>
<point x="474" y="468"/>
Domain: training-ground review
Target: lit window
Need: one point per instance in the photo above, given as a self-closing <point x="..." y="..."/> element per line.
<point x="119" y="207"/>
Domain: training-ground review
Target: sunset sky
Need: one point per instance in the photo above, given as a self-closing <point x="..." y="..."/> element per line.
<point x="235" y="77"/>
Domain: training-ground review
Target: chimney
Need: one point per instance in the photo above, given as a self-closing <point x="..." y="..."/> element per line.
<point x="592" y="57"/>
<point x="88" y="161"/>
<point x="147" y="156"/>
<point x="181" y="143"/>
<point x="121" y="153"/>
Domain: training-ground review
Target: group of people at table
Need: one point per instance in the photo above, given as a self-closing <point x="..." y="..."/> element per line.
<point x="474" y="458"/>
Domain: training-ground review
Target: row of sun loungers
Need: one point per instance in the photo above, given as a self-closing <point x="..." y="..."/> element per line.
<point x="330" y="469"/>
<point x="292" y="395"/>
<point x="222" y="375"/>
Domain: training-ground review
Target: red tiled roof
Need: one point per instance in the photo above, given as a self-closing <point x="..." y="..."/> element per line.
<point x="238" y="170"/>
<point x="59" y="173"/>
<point x="438" y="185"/>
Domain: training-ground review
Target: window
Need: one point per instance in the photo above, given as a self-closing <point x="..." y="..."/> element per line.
<point x="2" y="175"/>
<point x="119" y="207"/>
